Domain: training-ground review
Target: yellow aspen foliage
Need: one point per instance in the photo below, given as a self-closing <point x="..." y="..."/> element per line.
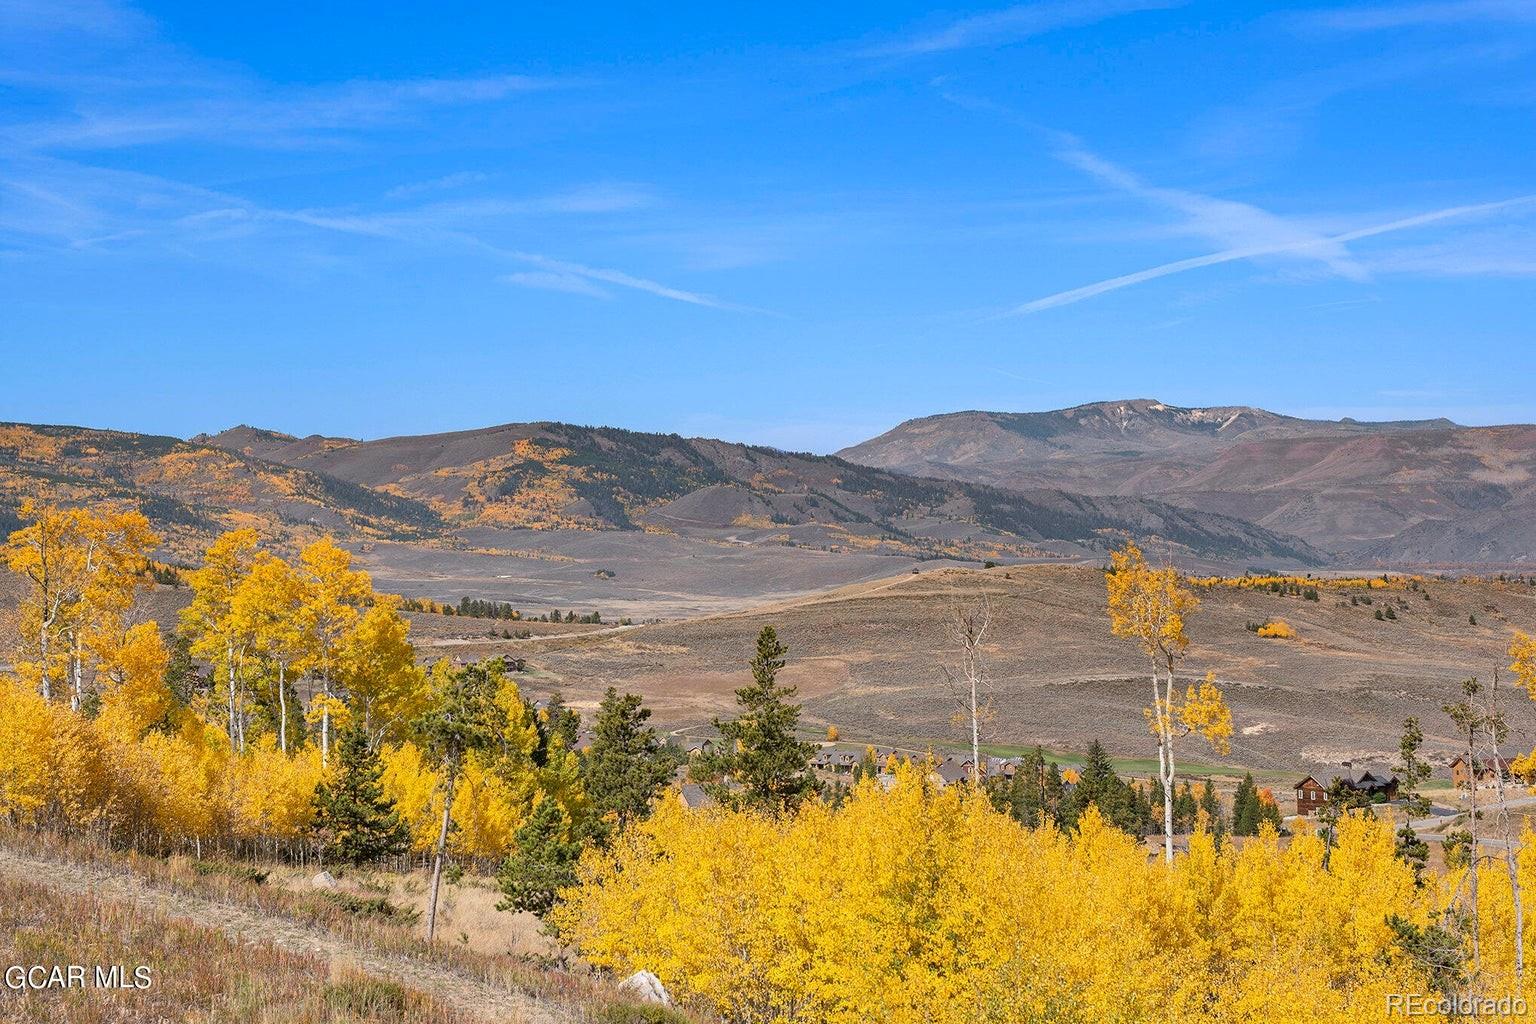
<point x="271" y="793"/>
<point x="1522" y="653"/>
<point x="1203" y="712"/>
<point x="919" y="904"/>
<point x="1277" y="629"/>
<point x="24" y="742"/>
<point x="376" y="666"/>
<point x="413" y="785"/>
<point x="1148" y="605"/>
<point x="136" y="698"/>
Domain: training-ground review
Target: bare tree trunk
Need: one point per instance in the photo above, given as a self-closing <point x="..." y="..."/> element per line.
<point x="437" y="858"/>
<point x="229" y="657"/>
<point x="42" y="646"/>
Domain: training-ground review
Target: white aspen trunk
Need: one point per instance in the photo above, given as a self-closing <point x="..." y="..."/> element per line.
<point x="1164" y="765"/>
<point x="76" y="671"/>
<point x="42" y="645"/>
<point x="325" y="720"/>
<point x="437" y="859"/>
<point x="229" y="658"/>
<point x="282" y="703"/>
<point x="975" y="736"/>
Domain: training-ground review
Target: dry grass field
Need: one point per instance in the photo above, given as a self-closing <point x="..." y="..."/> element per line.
<point x="233" y="941"/>
<point x="869" y="659"/>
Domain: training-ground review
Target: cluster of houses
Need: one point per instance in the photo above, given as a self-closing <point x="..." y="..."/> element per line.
<point x="1380" y="784"/>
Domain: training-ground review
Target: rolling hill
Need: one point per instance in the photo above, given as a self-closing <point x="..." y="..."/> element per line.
<point x="1422" y="491"/>
<point x="192" y="490"/>
<point x="553" y="476"/>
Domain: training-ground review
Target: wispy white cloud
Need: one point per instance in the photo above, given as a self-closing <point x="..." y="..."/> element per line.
<point x="61" y="205"/>
<point x="102" y="75"/>
<point x="547" y="280"/>
<point x="1225" y="222"/>
<point x="623" y="280"/>
<point x="1253" y="252"/>
<point x="445" y="183"/>
<point x="247" y="114"/>
<point x="1411" y="15"/>
<point x="1013" y="24"/>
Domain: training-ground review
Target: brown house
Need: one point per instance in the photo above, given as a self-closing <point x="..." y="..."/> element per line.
<point x="1489" y="771"/>
<point x="1376" y="783"/>
<point x="1311" y="796"/>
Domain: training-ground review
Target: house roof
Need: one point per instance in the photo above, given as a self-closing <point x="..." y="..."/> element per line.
<point x="1355" y="776"/>
<point x="1502" y="763"/>
<point x="693" y="795"/>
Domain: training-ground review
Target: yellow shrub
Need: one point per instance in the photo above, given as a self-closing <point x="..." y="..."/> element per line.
<point x="1277" y="630"/>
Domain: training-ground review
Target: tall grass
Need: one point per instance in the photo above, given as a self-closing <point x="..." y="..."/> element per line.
<point x="579" y="994"/>
<point x="194" y="972"/>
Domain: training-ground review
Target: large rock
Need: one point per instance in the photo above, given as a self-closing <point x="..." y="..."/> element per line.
<point x="646" y="987"/>
<point x="324" y="880"/>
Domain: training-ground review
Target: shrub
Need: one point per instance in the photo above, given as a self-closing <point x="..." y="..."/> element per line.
<point x="376" y="907"/>
<point x="1277" y="630"/>
<point x="239" y="872"/>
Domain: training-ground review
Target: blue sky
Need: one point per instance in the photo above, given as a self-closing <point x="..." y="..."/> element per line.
<point x="795" y="227"/>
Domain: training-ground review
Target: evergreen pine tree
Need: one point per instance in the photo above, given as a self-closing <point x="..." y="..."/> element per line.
<point x="355" y="823"/>
<point x="555" y="721"/>
<point x="627" y="762"/>
<point x="1210" y="808"/>
<point x="1185" y="808"/>
<point x="759" y="763"/>
<point x="1099" y="786"/>
<point x="1245" y="808"/>
<point x="542" y="863"/>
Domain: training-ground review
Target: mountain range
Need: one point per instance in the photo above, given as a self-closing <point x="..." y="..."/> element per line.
<point x="1232" y="486"/>
<point x="1421" y="492"/>
<point x="554" y="476"/>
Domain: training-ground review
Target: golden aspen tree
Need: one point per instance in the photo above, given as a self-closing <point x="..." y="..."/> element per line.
<point x="267" y="610"/>
<point x="1149" y="606"/>
<point x="116" y="543"/>
<point x="49" y="553"/>
<point x="376" y="666"/>
<point x="333" y="593"/>
<point x="209" y="621"/>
